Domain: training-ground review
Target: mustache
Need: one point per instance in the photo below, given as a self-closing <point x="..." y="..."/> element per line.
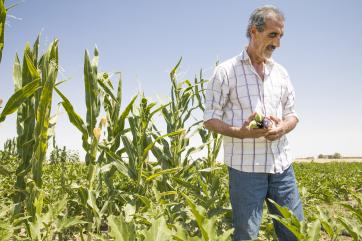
<point x="271" y="47"/>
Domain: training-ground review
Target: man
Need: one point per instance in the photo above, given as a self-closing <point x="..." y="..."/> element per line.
<point x="259" y="160"/>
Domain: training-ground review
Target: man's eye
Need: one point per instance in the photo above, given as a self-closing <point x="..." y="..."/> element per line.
<point x="272" y="35"/>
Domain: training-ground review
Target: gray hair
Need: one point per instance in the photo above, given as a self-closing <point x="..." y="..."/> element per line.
<point x="259" y="16"/>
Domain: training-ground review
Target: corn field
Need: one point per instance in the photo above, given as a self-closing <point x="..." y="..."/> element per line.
<point x="119" y="192"/>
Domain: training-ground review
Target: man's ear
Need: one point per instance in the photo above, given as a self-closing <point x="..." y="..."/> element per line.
<point x="253" y="30"/>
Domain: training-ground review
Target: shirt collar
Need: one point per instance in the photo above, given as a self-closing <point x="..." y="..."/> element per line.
<point x="244" y="56"/>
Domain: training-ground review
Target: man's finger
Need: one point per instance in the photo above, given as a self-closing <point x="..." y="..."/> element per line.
<point x="275" y="119"/>
<point x="246" y="123"/>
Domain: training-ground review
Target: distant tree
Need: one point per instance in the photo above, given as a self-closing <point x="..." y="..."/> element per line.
<point x="320" y="156"/>
<point x="337" y="155"/>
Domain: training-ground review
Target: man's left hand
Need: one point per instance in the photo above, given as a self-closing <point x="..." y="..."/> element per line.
<point x="277" y="130"/>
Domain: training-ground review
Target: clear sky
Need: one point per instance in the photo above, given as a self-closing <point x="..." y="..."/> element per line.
<point x="321" y="49"/>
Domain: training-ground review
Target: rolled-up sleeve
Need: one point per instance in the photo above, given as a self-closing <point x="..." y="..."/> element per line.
<point x="288" y="100"/>
<point x="216" y="95"/>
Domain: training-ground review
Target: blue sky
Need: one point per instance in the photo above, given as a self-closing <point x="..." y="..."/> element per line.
<point x="321" y="50"/>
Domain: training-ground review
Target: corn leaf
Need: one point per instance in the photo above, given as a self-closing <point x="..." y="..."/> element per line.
<point x="289" y="226"/>
<point x="146" y="201"/>
<point x="158" y="231"/>
<point x="149" y="147"/>
<point x="68" y="222"/>
<point x="17" y="73"/>
<point x="200" y="217"/>
<point x="165" y="171"/>
<point x="350" y="228"/>
<point x="120" y="230"/>
<point x="107" y="90"/>
<point x="314" y="231"/>
<point x="286" y="213"/>
<point x="74" y="118"/>
<point x="19" y="97"/>
<point x="91" y="90"/>
<point x="30" y="67"/>
<point x="122" y="119"/>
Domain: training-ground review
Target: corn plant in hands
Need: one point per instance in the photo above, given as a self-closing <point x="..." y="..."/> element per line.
<point x="260" y="121"/>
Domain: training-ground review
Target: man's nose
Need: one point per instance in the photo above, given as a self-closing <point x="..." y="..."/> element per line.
<point x="276" y="42"/>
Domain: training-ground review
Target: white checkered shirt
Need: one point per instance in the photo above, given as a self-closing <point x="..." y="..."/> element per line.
<point x="234" y="92"/>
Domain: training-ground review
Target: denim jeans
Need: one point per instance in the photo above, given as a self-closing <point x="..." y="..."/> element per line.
<point x="247" y="194"/>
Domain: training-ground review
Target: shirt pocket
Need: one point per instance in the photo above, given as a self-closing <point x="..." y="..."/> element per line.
<point x="274" y="95"/>
<point x="245" y="96"/>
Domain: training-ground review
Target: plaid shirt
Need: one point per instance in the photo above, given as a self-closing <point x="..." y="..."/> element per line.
<point x="234" y="92"/>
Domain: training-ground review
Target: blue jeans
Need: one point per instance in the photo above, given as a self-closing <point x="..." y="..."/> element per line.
<point x="247" y="194"/>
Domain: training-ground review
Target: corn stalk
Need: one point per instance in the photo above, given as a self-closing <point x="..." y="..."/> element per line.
<point x="137" y="148"/>
<point x="114" y="122"/>
<point x="212" y="140"/>
<point x="34" y="83"/>
<point x="177" y="114"/>
<point x="49" y="70"/>
<point x="97" y="85"/>
<point x="90" y="136"/>
<point x="93" y="104"/>
<point x="3" y="11"/>
<point x="24" y="75"/>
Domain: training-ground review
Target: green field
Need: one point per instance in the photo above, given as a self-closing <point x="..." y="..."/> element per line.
<point x="119" y="192"/>
<point x="187" y="204"/>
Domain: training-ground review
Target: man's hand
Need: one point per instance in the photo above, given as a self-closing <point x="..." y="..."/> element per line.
<point x="277" y="130"/>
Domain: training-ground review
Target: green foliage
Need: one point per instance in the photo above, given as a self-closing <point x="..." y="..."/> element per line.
<point x="354" y="230"/>
<point x="120" y="229"/>
<point x="300" y="229"/>
<point x="34" y="82"/>
<point x="122" y="192"/>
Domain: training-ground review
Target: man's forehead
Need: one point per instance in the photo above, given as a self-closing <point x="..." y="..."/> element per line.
<point x="274" y="22"/>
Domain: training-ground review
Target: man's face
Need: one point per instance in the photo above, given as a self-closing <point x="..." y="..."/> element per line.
<point x="267" y="41"/>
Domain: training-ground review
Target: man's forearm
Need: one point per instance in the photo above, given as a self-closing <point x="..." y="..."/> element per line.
<point x="222" y="128"/>
<point x="289" y="124"/>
